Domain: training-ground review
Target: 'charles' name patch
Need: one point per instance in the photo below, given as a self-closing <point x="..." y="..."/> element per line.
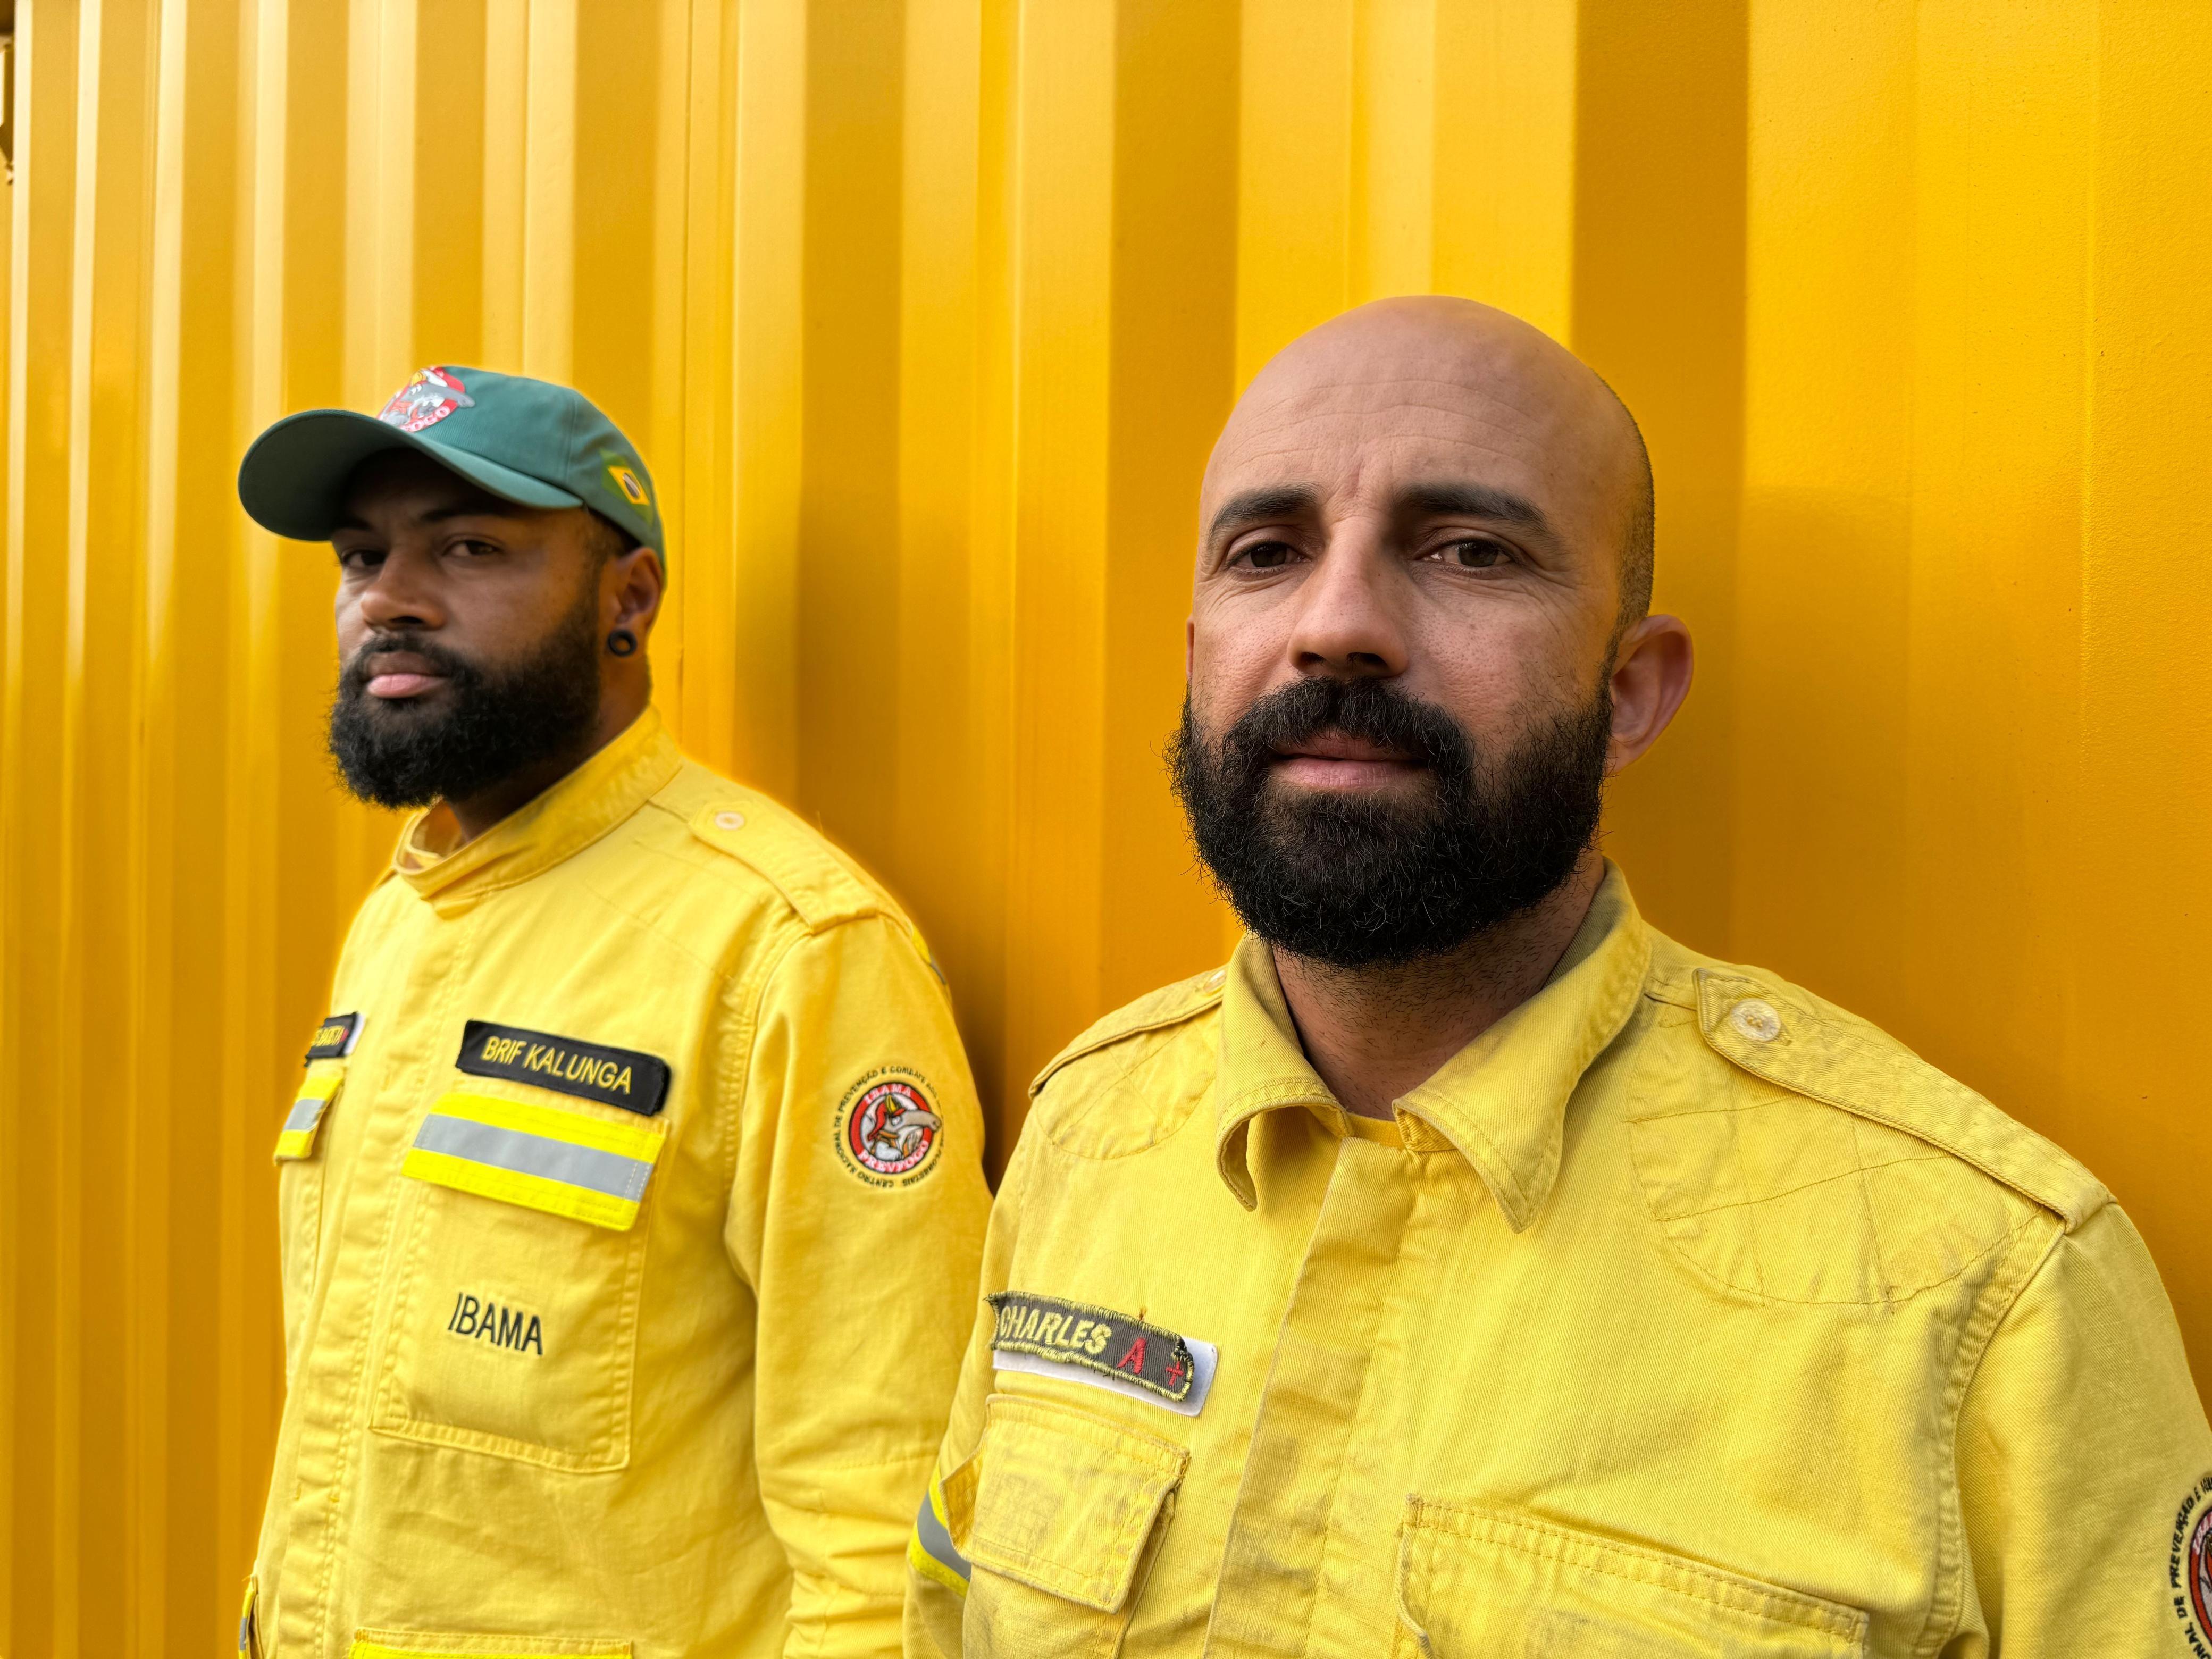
<point x="334" y="1037"/>
<point x="1053" y="1338"/>
<point x="614" y="1077"/>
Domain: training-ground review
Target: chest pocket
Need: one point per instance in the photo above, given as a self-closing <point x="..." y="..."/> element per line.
<point x="512" y="1325"/>
<point x="299" y="1193"/>
<point x="1481" y="1583"/>
<point x="1059" y="1514"/>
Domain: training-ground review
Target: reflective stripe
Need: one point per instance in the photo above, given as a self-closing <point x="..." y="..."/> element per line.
<point x="543" y="1158"/>
<point x="365" y="1648"/>
<point x="247" y="1646"/>
<point x="554" y="1160"/>
<point x="929" y="1551"/>
<point x="317" y="1089"/>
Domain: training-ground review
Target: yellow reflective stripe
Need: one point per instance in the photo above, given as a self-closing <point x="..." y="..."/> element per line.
<point x="516" y="1187"/>
<point x="296" y="1140"/>
<point x="526" y="1117"/>
<point x="322" y="1080"/>
<point x="930" y="1550"/>
<point x="931" y="1568"/>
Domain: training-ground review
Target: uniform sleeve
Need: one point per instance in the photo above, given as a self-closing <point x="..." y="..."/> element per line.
<point x="857" y="1216"/>
<point x="2081" y="1445"/>
<point x="937" y="1574"/>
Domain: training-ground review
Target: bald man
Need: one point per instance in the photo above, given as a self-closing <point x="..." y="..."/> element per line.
<point x="1466" y="1268"/>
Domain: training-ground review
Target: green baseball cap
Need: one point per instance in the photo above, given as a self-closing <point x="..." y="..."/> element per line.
<point x="526" y="442"/>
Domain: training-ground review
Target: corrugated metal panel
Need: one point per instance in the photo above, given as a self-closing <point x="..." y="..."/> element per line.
<point x="924" y="314"/>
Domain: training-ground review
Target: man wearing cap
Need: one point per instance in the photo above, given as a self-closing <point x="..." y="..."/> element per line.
<point x="1468" y="1269"/>
<point x="630" y="1199"/>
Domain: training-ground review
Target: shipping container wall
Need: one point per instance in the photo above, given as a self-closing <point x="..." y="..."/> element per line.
<point x="924" y="314"/>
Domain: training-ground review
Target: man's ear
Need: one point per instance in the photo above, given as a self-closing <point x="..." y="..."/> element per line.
<point x="1652" y="667"/>
<point x="636" y="583"/>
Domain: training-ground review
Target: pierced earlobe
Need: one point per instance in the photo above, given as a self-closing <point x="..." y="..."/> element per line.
<point x="622" y="642"/>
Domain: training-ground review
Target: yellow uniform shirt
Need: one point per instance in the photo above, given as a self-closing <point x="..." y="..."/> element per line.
<point x="1679" y="1316"/>
<point x="631" y="1208"/>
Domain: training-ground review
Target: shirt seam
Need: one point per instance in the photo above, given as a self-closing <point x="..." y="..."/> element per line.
<point x="734" y="1090"/>
<point x="1991" y="1311"/>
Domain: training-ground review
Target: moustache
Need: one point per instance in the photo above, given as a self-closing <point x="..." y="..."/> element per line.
<point x="354" y="678"/>
<point x="1368" y="711"/>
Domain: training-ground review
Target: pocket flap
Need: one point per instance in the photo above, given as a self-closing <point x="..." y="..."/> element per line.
<point x="1478" y="1577"/>
<point x="1062" y="1500"/>
<point x="543" y="1158"/>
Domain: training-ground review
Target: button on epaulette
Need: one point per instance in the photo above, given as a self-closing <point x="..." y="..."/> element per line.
<point x="1856" y="1068"/>
<point x="793" y="858"/>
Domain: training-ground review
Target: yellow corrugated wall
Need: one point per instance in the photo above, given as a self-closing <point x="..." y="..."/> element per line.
<point x="924" y="315"/>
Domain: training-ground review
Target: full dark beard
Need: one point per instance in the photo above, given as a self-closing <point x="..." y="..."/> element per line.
<point x="482" y="730"/>
<point x="1355" y="881"/>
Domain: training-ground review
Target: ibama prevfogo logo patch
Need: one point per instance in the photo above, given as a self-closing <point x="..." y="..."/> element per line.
<point x="2189" y="1567"/>
<point x="887" y="1130"/>
<point x="427" y="399"/>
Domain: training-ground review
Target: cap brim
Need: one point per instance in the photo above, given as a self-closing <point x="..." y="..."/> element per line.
<point x="293" y="480"/>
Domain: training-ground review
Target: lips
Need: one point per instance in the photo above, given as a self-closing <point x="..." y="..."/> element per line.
<point x="398" y="674"/>
<point x="1336" y="760"/>
<point x="1339" y="747"/>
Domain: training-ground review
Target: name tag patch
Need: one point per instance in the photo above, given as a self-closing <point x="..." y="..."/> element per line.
<point x="479" y="1319"/>
<point x="334" y="1037"/>
<point x="614" y="1077"/>
<point x="1050" y="1337"/>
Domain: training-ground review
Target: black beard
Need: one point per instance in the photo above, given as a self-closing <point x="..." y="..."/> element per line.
<point x="483" y="729"/>
<point x="1356" y="882"/>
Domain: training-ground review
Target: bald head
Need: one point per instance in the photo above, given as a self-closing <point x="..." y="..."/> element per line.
<point x="1464" y="390"/>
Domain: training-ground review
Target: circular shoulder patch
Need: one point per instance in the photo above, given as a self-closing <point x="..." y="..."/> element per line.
<point x="2189" y="1567"/>
<point x="886" y="1129"/>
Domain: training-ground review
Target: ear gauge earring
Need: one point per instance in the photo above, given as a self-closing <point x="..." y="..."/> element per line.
<point x="622" y="642"/>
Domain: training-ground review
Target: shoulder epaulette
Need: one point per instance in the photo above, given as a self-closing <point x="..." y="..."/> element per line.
<point x="768" y="839"/>
<point x="1171" y="1004"/>
<point x="1822" y="1053"/>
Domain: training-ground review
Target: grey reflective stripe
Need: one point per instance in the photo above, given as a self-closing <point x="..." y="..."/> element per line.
<point x="938" y="1542"/>
<point x="556" y="1160"/>
<point x="306" y="1111"/>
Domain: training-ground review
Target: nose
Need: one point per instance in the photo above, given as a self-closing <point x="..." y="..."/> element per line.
<point x="398" y="596"/>
<point x="1349" y="625"/>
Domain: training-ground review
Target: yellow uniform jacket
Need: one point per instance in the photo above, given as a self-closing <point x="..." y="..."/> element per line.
<point x="1681" y="1315"/>
<point x="631" y="1204"/>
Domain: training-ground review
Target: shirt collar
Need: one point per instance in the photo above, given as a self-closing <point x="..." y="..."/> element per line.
<point x="1500" y="1102"/>
<point x="569" y="817"/>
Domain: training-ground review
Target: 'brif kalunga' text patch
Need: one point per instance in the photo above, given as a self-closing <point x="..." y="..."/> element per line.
<point x="635" y="1082"/>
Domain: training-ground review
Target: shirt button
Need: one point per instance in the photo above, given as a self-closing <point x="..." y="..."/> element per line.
<point x="1214" y="980"/>
<point x="1756" y="1020"/>
<point x="729" y="820"/>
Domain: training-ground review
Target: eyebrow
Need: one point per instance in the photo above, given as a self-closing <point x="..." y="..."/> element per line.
<point x="1473" y="501"/>
<point x="1429" y="499"/>
<point x="1274" y="502"/>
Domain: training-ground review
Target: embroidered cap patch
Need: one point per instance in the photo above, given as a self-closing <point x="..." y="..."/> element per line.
<point x="614" y="1077"/>
<point x="1053" y="1338"/>
<point x="334" y="1037"/>
<point x="2189" y="1567"/>
<point x="427" y="399"/>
